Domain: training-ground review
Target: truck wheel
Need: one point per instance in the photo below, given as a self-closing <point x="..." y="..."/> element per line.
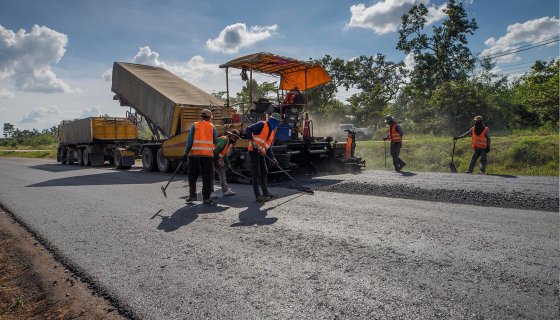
<point x="80" y="157"/>
<point x="70" y="157"/>
<point x="162" y="163"/>
<point x="85" y="158"/>
<point x="148" y="159"/>
<point x="117" y="159"/>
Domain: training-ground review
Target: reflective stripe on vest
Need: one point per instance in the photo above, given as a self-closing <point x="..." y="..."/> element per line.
<point x="262" y="141"/>
<point x="394" y="135"/>
<point x="479" y="141"/>
<point x="203" y="142"/>
<point x="226" y="148"/>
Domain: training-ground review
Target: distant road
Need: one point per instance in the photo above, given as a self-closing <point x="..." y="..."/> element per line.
<point x="366" y="246"/>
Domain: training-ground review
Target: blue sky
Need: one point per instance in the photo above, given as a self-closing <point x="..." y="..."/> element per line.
<point x="54" y="71"/>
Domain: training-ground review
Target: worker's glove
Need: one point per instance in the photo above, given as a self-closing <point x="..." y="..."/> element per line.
<point x="487" y="149"/>
<point x="274" y="162"/>
<point x="229" y="167"/>
<point x="184" y="158"/>
<point x="385" y="139"/>
<point x="455" y="138"/>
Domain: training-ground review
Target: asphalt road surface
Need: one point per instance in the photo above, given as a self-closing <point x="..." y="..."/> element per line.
<point x="377" y="245"/>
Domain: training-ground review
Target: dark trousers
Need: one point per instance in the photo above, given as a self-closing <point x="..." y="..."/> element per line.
<point x="204" y="166"/>
<point x="395" y="152"/>
<point x="483" y="157"/>
<point x="260" y="172"/>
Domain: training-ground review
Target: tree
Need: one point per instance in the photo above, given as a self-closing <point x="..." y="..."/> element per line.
<point x="378" y="80"/>
<point x="263" y="90"/>
<point x="538" y="91"/>
<point x="8" y="130"/>
<point x="443" y="55"/>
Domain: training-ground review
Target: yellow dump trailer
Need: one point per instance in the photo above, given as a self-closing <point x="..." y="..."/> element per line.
<point x="170" y="105"/>
<point x="94" y="140"/>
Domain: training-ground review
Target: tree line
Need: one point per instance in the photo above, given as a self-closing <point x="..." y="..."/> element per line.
<point x="445" y="89"/>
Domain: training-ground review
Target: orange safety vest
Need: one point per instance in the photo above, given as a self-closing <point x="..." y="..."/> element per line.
<point x="479" y="141"/>
<point x="226" y="148"/>
<point x="263" y="140"/>
<point x="394" y="135"/>
<point x="203" y="141"/>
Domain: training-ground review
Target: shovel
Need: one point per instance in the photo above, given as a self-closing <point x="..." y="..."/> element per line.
<point x="451" y="164"/>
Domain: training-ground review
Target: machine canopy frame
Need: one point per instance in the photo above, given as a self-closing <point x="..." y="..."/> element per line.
<point x="292" y="72"/>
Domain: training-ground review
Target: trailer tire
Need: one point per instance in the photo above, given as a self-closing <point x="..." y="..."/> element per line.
<point x="85" y="158"/>
<point x="70" y="157"/>
<point x="148" y="159"/>
<point x="117" y="159"/>
<point x="80" y="157"/>
<point x="162" y="163"/>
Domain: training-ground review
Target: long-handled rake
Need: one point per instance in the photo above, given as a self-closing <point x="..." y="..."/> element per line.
<point x="163" y="189"/>
<point x="300" y="186"/>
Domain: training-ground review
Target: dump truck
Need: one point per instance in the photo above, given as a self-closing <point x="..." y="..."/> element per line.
<point x="170" y="105"/>
<point x="93" y="141"/>
<point x="295" y="145"/>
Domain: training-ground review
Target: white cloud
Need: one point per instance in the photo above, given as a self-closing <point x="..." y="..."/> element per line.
<point x="107" y="76"/>
<point x="40" y="114"/>
<point x="146" y="56"/>
<point x="26" y="58"/>
<point x="237" y="36"/>
<point x="522" y="33"/>
<point x="5" y="94"/>
<point x="91" y="112"/>
<point x="385" y="16"/>
<point x="409" y="62"/>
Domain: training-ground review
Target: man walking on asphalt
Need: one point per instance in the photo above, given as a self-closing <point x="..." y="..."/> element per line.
<point x="200" y="152"/>
<point x="262" y="136"/>
<point x="221" y="159"/>
<point x="395" y="134"/>
<point x="480" y="142"/>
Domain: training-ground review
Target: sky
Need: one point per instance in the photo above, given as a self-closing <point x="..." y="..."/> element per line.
<point x="56" y="56"/>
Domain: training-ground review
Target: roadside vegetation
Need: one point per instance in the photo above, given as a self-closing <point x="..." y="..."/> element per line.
<point x="518" y="153"/>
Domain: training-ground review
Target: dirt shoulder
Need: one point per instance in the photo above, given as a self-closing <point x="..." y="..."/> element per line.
<point x="35" y="286"/>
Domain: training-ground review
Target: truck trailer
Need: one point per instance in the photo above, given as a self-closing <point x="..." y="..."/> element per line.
<point x="170" y="105"/>
<point x="95" y="140"/>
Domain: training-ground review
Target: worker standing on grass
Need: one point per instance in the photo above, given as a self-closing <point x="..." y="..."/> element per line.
<point x="200" y="152"/>
<point x="395" y="134"/>
<point x="221" y="159"/>
<point x="261" y="135"/>
<point x="480" y="142"/>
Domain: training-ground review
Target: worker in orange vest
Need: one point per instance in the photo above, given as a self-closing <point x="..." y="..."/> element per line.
<point x="480" y="142"/>
<point x="262" y="136"/>
<point x="395" y="134"/>
<point x="200" y="151"/>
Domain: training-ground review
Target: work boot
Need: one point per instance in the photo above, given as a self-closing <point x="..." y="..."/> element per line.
<point x="271" y="196"/>
<point x="261" y="199"/>
<point x="208" y="201"/>
<point x="213" y="195"/>
<point x="402" y="165"/>
<point x="191" y="199"/>
<point x="229" y="192"/>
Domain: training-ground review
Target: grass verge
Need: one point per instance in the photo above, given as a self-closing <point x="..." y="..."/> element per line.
<point x="28" y="154"/>
<point x="528" y="154"/>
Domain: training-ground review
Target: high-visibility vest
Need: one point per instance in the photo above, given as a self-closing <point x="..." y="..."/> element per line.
<point x="263" y="140"/>
<point x="393" y="134"/>
<point x="203" y="141"/>
<point x="225" y="150"/>
<point x="479" y="141"/>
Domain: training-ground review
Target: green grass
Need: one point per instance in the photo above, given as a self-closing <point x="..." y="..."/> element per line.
<point x="28" y="154"/>
<point x="522" y="153"/>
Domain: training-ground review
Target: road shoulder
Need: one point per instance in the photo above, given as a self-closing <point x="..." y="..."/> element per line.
<point x="34" y="285"/>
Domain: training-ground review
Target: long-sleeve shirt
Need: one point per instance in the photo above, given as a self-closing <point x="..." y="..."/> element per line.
<point x="220" y="145"/>
<point x="256" y="128"/>
<point x="191" y="138"/>
<point x="399" y="130"/>
<point x="469" y="133"/>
